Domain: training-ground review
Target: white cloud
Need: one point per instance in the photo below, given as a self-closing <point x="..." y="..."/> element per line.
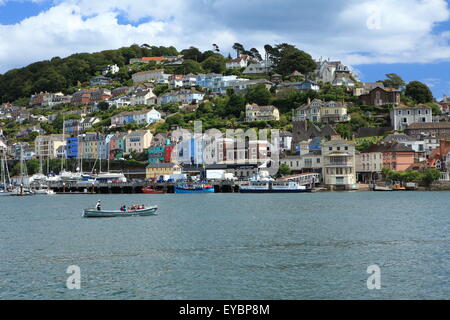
<point x="355" y="31"/>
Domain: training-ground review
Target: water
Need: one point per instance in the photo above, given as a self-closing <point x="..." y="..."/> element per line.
<point x="229" y="246"/>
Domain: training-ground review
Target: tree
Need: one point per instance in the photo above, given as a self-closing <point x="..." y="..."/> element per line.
<point x="189" y="66"/>
<point x="255" y="54"/>
<point x="430" y="176"/>
<point x="103" y="106"/>
<point x="419" y="92"/>
<point x="215" y="48"/>
<point x="192" y="54"/>
<point x="288" y="59"/>
<point x="259" y="94"/>
<point x="215" y="63"/>
<point x="239" y="49"/>
<point x="235" y="105"/>
<point x="393" y="81"/>
<point x="284" y="170"/>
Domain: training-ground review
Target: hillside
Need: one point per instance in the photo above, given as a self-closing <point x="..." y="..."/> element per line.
<point x="64" y="74"/>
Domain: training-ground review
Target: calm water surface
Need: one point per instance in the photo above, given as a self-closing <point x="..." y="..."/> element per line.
<point x="229" y="246"/>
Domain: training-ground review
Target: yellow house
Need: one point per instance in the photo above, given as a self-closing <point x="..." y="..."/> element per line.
<point x="333" y="111"/>
<point x="253" y="112"/>
<point x="155" y="170"/>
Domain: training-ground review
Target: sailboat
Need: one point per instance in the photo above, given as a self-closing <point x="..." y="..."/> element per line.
<point x="5" y="178"/>
<point x="24" y="188"/>
<point x="39" y="183"/>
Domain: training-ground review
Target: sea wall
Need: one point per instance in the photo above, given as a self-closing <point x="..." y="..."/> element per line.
<point x="440" y="185"/>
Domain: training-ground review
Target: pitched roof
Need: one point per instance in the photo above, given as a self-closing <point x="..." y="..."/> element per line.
<point x="153" y="58"/>
<point x="429" y="125"/>
<point x="372" y="132"/>
<point x="404" y="106"/>
<point x="388" y="147"/>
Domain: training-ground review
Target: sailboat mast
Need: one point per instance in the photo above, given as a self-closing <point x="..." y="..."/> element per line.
<point x="21" y="164"/>
<point x="7" y="171"/>
<point x="63" y="154"/>
<point x="3" y="175"/>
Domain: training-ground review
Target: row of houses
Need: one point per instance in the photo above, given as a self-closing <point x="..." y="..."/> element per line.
<point x="92" y="145"/>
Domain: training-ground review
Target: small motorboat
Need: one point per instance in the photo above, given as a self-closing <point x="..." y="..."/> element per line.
<point x="94" y="213"/>
<point x="194" y="188"/>
<point x="381" y="188"/>
<point x="150" y="190"/>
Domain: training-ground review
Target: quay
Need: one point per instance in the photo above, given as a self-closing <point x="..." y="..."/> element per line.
<point x="133" y="187"/>
<point x="220" y="186"/>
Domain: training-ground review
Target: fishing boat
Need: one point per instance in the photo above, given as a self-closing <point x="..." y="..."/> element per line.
<point x="94" y="213"/>
<point x="150" y="190"/>
<point x="194" y="188"/>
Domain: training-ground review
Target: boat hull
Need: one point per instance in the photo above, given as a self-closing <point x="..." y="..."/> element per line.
<point x="152" y="191"/>
<point x="274" y="191"/>
<point x="94" y="213"/>
<point x="206" y="190"/>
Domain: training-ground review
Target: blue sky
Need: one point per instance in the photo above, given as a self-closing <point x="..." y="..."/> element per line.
<point x="375" y="37"/>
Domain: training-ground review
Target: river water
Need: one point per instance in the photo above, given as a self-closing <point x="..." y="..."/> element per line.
<point x="228" y="246"/>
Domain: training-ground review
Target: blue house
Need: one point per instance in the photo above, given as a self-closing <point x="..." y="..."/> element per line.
<point x="72" y="148"/>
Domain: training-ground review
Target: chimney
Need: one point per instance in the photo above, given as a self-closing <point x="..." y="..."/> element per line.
<point x="309" y="100"/>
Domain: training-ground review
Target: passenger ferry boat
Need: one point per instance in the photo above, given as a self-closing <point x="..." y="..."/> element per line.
<point x="268" y="185"/>
<point x="276" y="186"/>
<point x="194" y="188"/>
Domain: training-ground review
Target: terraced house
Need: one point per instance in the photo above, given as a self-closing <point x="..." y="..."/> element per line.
<point x="396" y="156"/>
<point x="92" y="146"/>
<point x="138" y="141"/>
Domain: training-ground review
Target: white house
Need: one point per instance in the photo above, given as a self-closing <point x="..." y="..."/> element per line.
<point x="138" y="117"/>
<point x="143" y="97"/>
<point x="111" y="69"/>
<point x="151" y="75"/>
<point x="258" y="68"/>
<point x="121" y="101"/>
<point x="190" y="80"/>
<point x="403" y="115"/>
<point x="238" y="63"/>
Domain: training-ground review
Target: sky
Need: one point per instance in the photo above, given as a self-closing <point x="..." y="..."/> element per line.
<point x="373" y="37"/>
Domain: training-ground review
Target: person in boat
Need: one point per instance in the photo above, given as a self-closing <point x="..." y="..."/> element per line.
<point x="123" y="208"/>
<point x="133" y="207"/>
<point x="99" y="205"/>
